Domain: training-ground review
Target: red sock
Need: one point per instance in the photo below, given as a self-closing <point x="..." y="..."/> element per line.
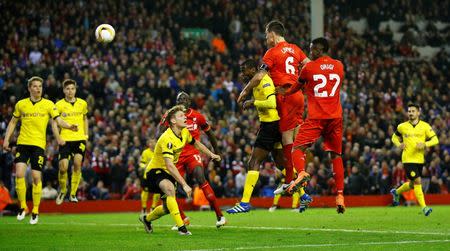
<point x="183" y="216"/>
<point x="287" y="150"/>
<point x="211" y="197"/>
<point x="298" y="158"/>
<point x="338" y="170"/>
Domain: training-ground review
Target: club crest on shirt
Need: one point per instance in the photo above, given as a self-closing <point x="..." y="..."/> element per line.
<point x="64" y="114"/>
<point x="169" y="145"/>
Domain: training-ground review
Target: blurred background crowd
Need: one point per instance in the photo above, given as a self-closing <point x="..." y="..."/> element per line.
<point x="163" y="47"/>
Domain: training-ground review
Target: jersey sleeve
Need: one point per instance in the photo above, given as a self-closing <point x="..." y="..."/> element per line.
<point x="432" y="138"/>
<point x="304" y="73"/>
<point x="52" y="110"/>
<point x="301" y="55"/>
<point x="16" y="112"/>
<point x="166" y="148"/>
<point x="85" y="108"/>
<point x="268" y="60"/>
<point x="203" y="123"/>
<point x="397" y="136"/>
<point x="143" y="161"/>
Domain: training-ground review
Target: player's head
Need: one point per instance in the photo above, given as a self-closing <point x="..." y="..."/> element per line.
<point x="151" y="143"/>
<point x="176" y="117"/>
<point x="413" y="111"/>
<point x="35" y="86"/>
<point x="69" y="88"/>
<point x="274" y="30"/>
<point x="184" y="99"/>
<point x="248" y="69"/>
<point x="318" y="47"/>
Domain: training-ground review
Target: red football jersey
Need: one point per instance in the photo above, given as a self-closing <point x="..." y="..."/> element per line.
<point x="283" y="61"/>
<point x="323" y="79"/>
<point x="195" y="122"/>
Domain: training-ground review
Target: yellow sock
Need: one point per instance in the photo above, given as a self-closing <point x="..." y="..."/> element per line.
<point x="276" y="199"/>
<point x="62" y="178"/>
<point x="419" y="195"/>
<point x="174" y="211"/>
<point x="21" y="190"/>
<point x="144" y="199"/>
<point x="155" y="213"/>
<point x="250" y="182"/>
<point x="301" y="191"/>
<point x="403" y="188"/>
<point x="37" y="192"/>
<point x="155" y="201"/>
<point x="296" y="198"/>
<point x="76" y="177"/>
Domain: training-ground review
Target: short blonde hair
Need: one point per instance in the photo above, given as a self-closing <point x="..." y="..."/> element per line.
<point x="170" y="113"/>
<point x="35" y="78"/>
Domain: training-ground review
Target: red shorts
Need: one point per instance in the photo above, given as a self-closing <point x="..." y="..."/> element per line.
<point x="330" y="129"/>
<point x="290" y="109"/>
<point x="188" y="162"/>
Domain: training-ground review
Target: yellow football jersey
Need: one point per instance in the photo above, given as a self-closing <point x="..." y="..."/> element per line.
<point x="170" y="146"/>
<point x="73" y="113"/>
<point x="34" y="117"/>
<point x="265" y="92"/>
<point x="146" y="157"/>
<point x="410" y="135"/>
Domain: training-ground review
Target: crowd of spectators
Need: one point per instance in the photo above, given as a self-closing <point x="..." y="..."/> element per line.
<point x="130" y="82"/>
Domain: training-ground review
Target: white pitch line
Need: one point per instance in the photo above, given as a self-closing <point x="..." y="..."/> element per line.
<point x="325" y="245"/>
<point x="251" y="228"/>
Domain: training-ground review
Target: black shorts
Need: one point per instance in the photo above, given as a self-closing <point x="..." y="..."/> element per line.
<point x="154" y="177"/>
<point x="30" y="154"/>
<point x="268" y="135"/>
<point x="413" y="170"/>
<point x="71" y="148"/>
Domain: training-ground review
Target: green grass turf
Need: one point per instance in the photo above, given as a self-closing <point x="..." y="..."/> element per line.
<point x="375" y="228"/>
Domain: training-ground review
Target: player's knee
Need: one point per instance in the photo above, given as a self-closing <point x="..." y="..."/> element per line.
<point x="199" y="174"/>
<point x="253" y="164"/>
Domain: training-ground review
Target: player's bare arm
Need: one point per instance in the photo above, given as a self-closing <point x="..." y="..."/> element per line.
<point x="202" y="148"/>
<point x="176" y="174"/>
<point x="86" y="127"/>
<point x="66" y="125"/>
<point x="9" y="131"/>
<point x="55" y="130"/>
<point x="251" y="84"/>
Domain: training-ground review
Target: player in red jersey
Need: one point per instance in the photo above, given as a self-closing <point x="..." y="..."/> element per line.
<point x="190" y="159"/>
<point x="282" y="61"/>
<point x="321" y="80"/>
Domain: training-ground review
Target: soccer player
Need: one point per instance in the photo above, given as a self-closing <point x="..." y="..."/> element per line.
<point x="146" y="157"/>
<point x="72" y="145"/>
<point x="282" y="61"/>
<point x="161" y="173"/>
<point x="321" y="79"/>
<point x="190" y="159"/>
<point x="413" y="137"/>
<point x="268" y="135"/>
<point x="34" y="113"/>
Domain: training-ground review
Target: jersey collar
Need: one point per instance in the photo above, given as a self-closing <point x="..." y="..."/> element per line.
<point x="33" y="102"/>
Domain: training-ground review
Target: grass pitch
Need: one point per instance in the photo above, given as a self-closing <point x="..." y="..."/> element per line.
<point x="375" y="228"/>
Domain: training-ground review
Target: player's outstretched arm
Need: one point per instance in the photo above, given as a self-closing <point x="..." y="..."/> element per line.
<point x="176" y="174"/>
<point x="202" y="148"/>
<point x="66" y="125"/>
<point x="251" y="84"/>
<point x="9" y="131"/>
<point x="212" y="139"/>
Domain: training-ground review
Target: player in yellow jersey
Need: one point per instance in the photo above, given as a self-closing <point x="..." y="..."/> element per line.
<point x="146" y="157"/>
<point x="161" y="173"/>
<point x="268" y="135"/>
<point x="34" y="113"/>
<point x="413" y="137"/>
<point x="72" y="145"/>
